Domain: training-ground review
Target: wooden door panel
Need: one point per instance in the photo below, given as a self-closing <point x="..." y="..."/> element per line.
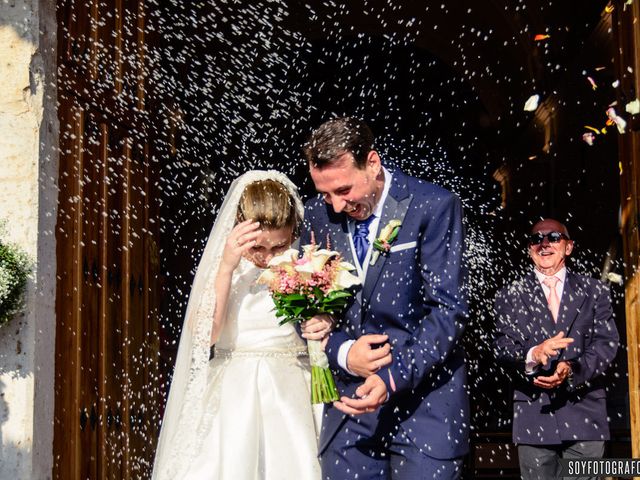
<point x="108" y="365"/>
<point x="111" y="336"/>
<point x="67" y="382"/>
<point x="626" y="31"/>
<point x="74" y="23"/>
<point x="106" y="341"/>
<point x="91" y="292"/>
<point x="135" y="311"/>
<point x="152" y="391"/>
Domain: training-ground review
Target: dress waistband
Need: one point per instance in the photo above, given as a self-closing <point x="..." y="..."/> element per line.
<point x="283" y="352"/>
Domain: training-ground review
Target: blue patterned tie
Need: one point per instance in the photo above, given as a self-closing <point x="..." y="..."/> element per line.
<point x="360" y="240"/>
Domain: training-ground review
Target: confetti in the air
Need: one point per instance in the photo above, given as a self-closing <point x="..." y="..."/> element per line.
<point x="235" y="86"/>
<point x="614" y="278"/>
<point x="633" y="107"/>
<point x="593" y="129"/>
<point x="614" y="118"/>
<point x="531" y="104"/>
<point x="588" y="138"/>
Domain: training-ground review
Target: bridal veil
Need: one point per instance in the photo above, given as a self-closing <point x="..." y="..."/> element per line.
<point x="179" y="440"/>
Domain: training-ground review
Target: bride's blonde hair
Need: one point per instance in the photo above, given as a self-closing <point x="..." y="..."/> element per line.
<point x="270" y="203"/>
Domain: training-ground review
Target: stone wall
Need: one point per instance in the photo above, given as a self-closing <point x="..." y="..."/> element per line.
<point x="28" y="176"/>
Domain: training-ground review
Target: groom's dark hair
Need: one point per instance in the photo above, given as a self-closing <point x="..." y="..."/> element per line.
<point x="337" y="137"/>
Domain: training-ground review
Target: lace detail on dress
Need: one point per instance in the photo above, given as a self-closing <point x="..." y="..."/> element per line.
<point x="196" y="385"/>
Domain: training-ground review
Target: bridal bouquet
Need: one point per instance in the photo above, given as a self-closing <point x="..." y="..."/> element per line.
<point x="302" y="287"/>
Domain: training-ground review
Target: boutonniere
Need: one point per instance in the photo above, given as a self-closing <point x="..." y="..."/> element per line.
<point x="387" y="236"/>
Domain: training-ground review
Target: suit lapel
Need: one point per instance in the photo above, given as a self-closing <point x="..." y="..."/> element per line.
<point x="395" y="207"/>
<point x="533" y="296"/>
<point x="573" y="296"/>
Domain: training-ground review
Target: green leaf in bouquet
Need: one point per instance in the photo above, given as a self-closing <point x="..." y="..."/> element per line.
<point x="337" y="294"/>
<point x="289" y="319"/>
<point x="293" y="298"/>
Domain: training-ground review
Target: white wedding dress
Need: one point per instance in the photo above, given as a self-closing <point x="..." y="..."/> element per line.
<point x="259" y="421"/>
<point x="246" y="414"/>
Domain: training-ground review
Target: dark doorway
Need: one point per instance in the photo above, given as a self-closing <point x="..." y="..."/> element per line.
<point x="233" y="86"/>
<point x="443" y="87"/>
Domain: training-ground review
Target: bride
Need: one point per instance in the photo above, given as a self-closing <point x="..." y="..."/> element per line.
<point x="246" y="414"/>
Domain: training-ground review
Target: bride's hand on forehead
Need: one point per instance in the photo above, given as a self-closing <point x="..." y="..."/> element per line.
<point x="240" y="240"/>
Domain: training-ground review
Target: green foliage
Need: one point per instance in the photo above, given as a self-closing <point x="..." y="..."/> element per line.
<point x="323" y="386"/>
<point x="15" y="267"/>
<point x="295" y="307"/>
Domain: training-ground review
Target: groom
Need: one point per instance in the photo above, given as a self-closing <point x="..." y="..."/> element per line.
<point x="404" y="410"/>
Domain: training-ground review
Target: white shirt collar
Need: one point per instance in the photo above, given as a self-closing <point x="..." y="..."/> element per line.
<point x="560" y="274"/>
<point x="385" y="192"/>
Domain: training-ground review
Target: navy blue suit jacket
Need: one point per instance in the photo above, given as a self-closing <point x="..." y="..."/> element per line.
<point x="415" y="296"/>
<point x="576" y="410"/>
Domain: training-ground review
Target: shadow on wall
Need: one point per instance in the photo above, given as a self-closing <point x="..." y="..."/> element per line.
<point x="16" y="368"/>
<point x="11" y="453"/>
<point x="21" y="76"/>
<point x="20" y="17"/>
<point x="14" y="362"/>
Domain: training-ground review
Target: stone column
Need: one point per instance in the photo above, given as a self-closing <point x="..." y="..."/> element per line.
<point x="28" y="199"/>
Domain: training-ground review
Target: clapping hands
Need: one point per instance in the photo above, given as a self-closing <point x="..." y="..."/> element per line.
<point x="563" y="370"/>
<point x="543" y="352"/>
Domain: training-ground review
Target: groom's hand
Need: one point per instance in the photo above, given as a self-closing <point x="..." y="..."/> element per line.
<point x="364" y="358"/>
<point x="371" y="394"/>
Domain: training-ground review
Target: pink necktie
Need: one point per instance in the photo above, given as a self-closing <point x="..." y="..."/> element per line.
<point x="552" y="299"/>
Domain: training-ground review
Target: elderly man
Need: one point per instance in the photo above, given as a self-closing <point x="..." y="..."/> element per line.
<point x="404" y="410"/>
<point x="556" y="328"/>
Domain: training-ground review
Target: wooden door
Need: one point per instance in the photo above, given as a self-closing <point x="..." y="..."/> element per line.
<point x="107" y="260"/>
<point x="627" y="34"/>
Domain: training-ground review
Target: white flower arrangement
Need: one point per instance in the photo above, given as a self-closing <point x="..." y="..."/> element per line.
<point x="15" y="267"/>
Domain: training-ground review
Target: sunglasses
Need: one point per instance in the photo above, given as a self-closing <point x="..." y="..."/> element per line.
<point x="553" y="237"/>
